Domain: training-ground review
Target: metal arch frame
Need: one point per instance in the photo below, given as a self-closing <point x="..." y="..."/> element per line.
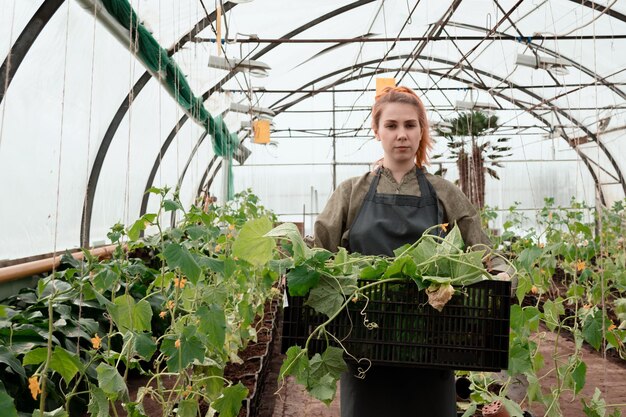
<point x="206" y="174"/>
<point x="580" y="67"/>
<point x="493" y="93"/>
<point x="94" y="175"/>
<point x="25" y="41"/>
<point x="555" y="54"/>
<point x="596" y="6"/>
<point x="179" y="183"/>
<point x="217" y="86"/>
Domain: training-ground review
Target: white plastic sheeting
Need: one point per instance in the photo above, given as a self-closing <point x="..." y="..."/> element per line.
<point x="76" y="76"/>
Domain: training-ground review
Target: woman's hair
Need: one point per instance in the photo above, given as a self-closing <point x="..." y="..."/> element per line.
<point x="407" y="96"/>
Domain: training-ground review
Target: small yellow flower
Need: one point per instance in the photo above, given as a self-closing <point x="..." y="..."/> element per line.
<point x="534" y="289"/>
<point x="96" y="342"/>
<point x="162" y="314"/>
<point x="235" y="258"/>
<point x="231" y="227"/>
<point x="229" y="235"/>
<point x="177" y="343"/>
<point x="170" y="304"/>
<point x="355" y="299"/>
<point x="444" y="227"/>
<point x="580" y="265"/>
<point x="180" y="283"/>
<point x="218" y="248"/>
<point x="550" y="216"/>
<point x="612" y="327"/>
<point x="33" y="385"/>
<point x="587" y="306"/>
<point x="542" y="245"/>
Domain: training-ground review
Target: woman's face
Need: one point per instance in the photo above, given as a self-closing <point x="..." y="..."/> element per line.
<point x="399" y="132"/>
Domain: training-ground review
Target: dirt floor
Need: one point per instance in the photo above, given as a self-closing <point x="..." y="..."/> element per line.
<point x="608" y="376"/>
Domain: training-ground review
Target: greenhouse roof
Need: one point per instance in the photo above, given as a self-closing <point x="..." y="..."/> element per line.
<point x="88" y="124"/>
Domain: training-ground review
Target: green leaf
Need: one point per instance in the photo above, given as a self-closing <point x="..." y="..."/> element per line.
<point x="135" y="409"/>
<point x="131" y="316"/>
<point x="178" y="256"/>
<point x="340" y="259"/>
<point x="327" y="298"/>
<point x="528" y="257"/>
<point x="524" y="286"/>
<point x="197" y="232"/>
<point x="324" y="389"/>
<point x="212" y="264"/>
<point x="252" y="245"/>
<point x="171" y="205"/>
<point x="596" y="407"/>
<point x="519" y="359"/>
<point x="468" y="268"/>
<point x="592" y="329"/>
<point x="140" y="225"/>
<point x="111" y="382"/>
<point x="213" y="325"/>
<point x="512" y="407"/>
<point x="425" y="250"/>
<point x="98" y="402"/>
<point x="229" y="404"/>
<point x="331" y="363"/>
<point x="8" y="358"/>
<point x="35" y="356"/>
<point x="470" y="410"/>
<point x="301" y="279"/>
<point x="579" y="376"/>
<point x="179" y="358"/>
<point x="452" y="243"/>
<point x="65" y="363"/>
<point x="401" y="267"/>
<point x="59" y="412"/>
<point x="297" y="364"/>
<point x="376" y="271"/>
<point x="145" y="346"/>
<point x="104" y="279"/>
<point x="551" y="314"/>
<point x="188" y="408"/>
<point x="290" y="231"/>
<point x="7" y="405"/>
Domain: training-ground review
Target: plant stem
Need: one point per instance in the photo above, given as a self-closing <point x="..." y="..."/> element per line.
<point x="44" y="372"/>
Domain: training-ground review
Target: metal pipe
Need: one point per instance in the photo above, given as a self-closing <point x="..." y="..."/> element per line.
<point x="361" y="39"/>
<point x="15" y="272"/>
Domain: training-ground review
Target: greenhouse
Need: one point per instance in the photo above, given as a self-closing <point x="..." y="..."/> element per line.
<point x="313" y="208"/>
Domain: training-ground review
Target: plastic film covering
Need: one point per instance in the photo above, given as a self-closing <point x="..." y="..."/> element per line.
<point x="564" y="115"/>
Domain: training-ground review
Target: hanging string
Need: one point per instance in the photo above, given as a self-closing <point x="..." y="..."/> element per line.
<point x="61" y="133"/>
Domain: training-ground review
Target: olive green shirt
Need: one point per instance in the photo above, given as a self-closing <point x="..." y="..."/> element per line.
<point x="333" y="224"/>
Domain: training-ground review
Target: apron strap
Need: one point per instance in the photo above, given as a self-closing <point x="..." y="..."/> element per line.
<point x="372" y="190"/>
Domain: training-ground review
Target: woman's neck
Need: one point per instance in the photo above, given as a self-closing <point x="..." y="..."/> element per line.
<point x="399" y="170"/>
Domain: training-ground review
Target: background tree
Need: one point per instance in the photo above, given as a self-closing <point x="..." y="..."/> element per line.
<point x="468" y="140"/>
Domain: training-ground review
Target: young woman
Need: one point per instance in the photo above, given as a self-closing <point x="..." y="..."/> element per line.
<point x="380" y="211"/>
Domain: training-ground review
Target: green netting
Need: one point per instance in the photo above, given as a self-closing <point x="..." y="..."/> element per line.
<point x="156" y="59"/>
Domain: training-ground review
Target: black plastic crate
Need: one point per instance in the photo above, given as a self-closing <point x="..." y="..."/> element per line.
<point x="470" y="333"/>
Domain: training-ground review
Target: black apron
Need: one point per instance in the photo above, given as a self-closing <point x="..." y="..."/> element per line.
<point x="384" y="223"/>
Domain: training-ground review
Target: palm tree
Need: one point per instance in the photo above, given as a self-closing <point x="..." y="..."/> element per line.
<point x="467" y="141"/>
